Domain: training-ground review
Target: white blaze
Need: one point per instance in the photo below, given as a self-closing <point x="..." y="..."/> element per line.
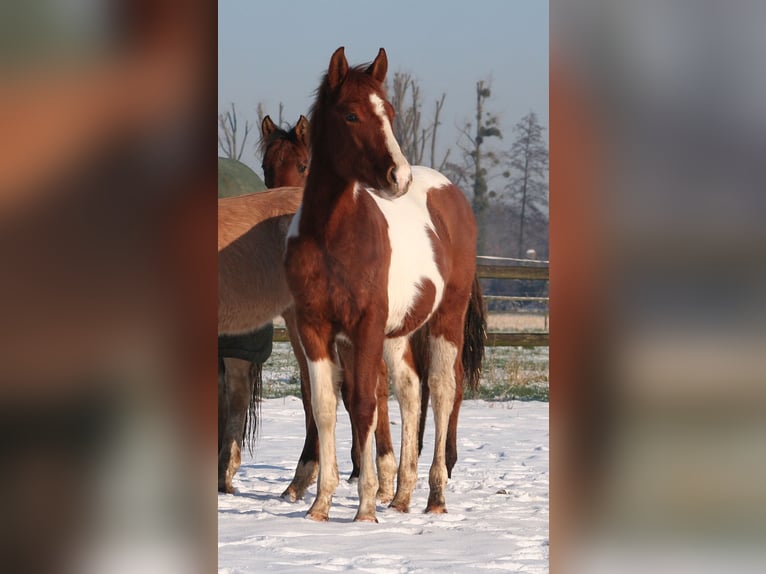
<point x="402" y="171"/>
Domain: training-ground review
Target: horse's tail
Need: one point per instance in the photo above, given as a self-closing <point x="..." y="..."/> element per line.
<point x="250" y="432"/>
<point x="474" y="337"/>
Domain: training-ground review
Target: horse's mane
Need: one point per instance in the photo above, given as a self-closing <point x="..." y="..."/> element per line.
<point x="324" y="93"/>
<point x="287" y="134"/>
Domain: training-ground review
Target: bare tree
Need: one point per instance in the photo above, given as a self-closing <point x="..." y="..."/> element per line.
<point x="408" y="127"/>
<point x="529" y="165"/>
<point x="261" y="111"/>
<point x="228" y="134"/>
<point x="472" y="172"/>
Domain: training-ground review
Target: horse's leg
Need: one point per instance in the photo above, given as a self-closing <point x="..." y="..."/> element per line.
<point x="238" y="393"/>
<point x="222" y="403"/>
<point x="407" y="387"/>
<point x="419" y="346"/>
<point x="368" y="353"/>
<point x="385" y="460"/>
<point x="346" y="355"/>
<point x="446" y="370"/>
<point x="451" y="448"/>
<point x="306" y="470"/>
<point x="324" y="378"/>
<point x="424" y="396"/>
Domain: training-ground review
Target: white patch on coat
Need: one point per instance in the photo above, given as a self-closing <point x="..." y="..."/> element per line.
<point x="412" y="254"/>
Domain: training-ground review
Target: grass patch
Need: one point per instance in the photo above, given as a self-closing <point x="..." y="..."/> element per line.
<point x="509" y="373"/>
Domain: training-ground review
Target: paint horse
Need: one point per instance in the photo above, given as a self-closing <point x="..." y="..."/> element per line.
<point x="252" y="290"/>
<point x="241" y="355"/>
<point x="285" y="158"/>
<point x="377" y="250"/>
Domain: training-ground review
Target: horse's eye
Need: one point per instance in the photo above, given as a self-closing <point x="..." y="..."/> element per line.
<point x="352" y="118"/>
<point x="302" y="168"/>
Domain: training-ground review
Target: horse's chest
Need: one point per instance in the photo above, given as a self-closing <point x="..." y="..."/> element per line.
<point x="414" y="281"/>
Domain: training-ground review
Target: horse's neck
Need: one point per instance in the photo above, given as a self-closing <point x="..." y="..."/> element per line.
<point x="323" y="197"/>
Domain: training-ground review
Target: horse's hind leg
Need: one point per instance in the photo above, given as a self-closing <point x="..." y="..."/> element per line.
<point x="407" y="387"/>
<point x="451" y="448"/>
<point x="307" y="468"/>
<point x="238" y="393"/>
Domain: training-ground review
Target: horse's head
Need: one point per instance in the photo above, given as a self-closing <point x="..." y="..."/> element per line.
<point x="285" y="153"/>
<point x="352" y="122"/>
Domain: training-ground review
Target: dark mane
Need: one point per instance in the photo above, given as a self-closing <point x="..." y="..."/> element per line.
<point x="280" y="134"/>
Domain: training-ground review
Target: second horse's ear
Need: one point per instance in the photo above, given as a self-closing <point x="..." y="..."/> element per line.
<point x="379" y="67"/>
<point x="302" y="130"/>
<point x="267" y="127"/>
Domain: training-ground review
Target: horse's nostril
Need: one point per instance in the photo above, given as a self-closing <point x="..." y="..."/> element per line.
<point x="392" y="175"/>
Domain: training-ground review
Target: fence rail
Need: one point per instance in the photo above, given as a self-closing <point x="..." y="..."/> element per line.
<point x="507" y="268"/>
<point x="498" y="268"/>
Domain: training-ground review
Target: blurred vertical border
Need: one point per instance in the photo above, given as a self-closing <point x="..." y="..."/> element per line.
<point x="107" y="288"/>
<point x="658" y="287"/>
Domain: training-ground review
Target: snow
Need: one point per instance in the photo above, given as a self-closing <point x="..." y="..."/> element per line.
<point x="497" y="501"/>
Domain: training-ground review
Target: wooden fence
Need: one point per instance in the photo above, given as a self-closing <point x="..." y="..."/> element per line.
<point x="506" y="268"/>
<point x="499" y="268"/>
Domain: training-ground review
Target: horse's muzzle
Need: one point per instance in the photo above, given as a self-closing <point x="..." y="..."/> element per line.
<point x="399" y="179"/>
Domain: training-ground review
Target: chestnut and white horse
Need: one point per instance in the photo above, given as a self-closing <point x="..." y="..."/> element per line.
<point x="377" y="250"/>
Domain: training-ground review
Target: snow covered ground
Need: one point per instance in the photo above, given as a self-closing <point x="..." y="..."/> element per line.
<point x="497" y="501"/>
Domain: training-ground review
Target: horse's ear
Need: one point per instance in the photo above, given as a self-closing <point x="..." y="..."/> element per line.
<point x="379" y="67"/>
<point x="302" y="130"/>
<point x="338" y="68"/>
<point x="267" y="127"/>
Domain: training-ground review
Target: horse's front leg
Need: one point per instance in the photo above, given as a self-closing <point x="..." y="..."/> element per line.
<point x="384" y="447"/>
<point x="308" y="463"/>
<point x="363" y="399"/>
<point x="324" y="379"/>
<point x="386" y="462"/>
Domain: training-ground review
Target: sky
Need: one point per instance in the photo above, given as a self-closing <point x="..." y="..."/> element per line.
<point x="274" y="51"/>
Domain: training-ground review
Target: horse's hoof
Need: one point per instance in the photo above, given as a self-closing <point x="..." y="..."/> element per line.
<point x="289" y="495"/>
<point x="226" y="489"/>
<point x="400" y="507"/>
<point x="317" y="516"/>
<point x="385" y="497"/>
<point x="436" y="509"/>
<point x="365" y="518"/>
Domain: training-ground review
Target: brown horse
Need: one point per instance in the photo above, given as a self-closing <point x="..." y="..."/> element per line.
<point x="377" y="250"/>
<point x="242" y="222"/>
<point x="285" y="153"/>
<point x="252" y="290"/>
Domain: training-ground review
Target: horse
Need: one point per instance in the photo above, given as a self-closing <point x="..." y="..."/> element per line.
<point x="246" y="244"/>
<point x="377" y="250"/>
<point x="241" y="355"/>
<point x="285" y="153"/>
